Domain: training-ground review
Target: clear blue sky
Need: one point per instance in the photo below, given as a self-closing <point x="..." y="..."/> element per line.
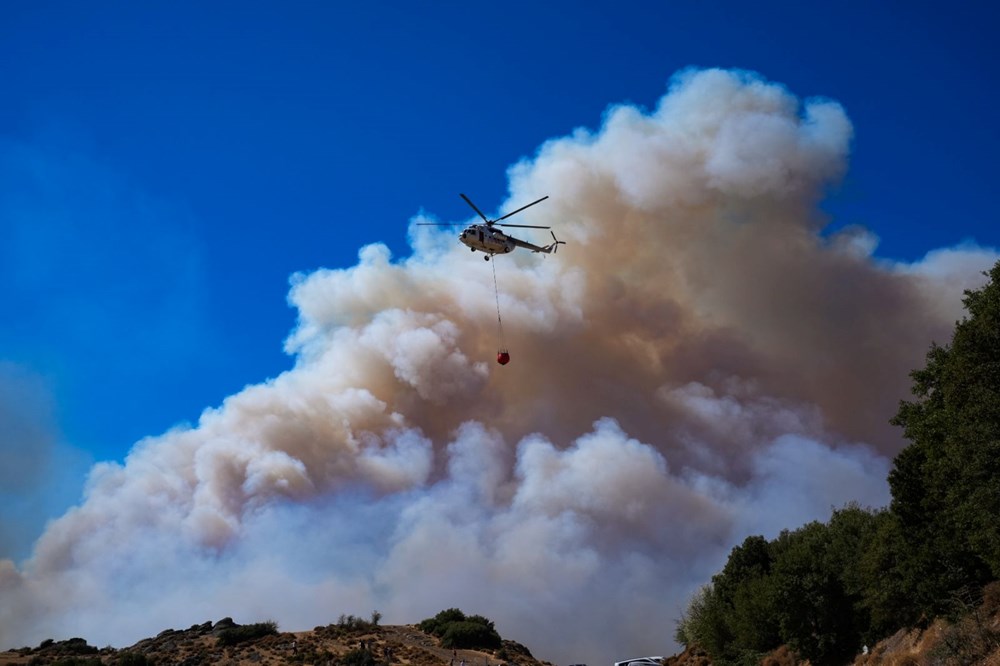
<point x="165" y="166"/>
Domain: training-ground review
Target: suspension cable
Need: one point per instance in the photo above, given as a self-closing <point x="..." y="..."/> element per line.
<point x="496" y="290"/>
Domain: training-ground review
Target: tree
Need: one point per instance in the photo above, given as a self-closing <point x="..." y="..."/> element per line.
<point x="814" y="610"/>
<point x="703" y="623"/>
<point x="946" y="483"/>
<point x="886" y="594"/>
<point x="825" y="588"/>
<point x="746" y="592"/>
<point x="733" y="618"/>
<point x="456" y="630"/>
<point x="470" y="635"/>
<point x="438" y="624"/>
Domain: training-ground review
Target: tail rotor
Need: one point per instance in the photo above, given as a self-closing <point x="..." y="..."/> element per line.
<point x="555" y="243"/>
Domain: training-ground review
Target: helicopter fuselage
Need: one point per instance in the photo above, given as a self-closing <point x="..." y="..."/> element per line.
<point x="486" y="239"/>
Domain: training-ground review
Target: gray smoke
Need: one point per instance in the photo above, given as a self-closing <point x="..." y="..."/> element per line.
<point x="700" y="363"/>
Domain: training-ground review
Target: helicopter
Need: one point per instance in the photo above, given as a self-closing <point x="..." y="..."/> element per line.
<point x="486" y="238"/>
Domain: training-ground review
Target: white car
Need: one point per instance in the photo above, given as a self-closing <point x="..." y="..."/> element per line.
<point x="641" y="661"/>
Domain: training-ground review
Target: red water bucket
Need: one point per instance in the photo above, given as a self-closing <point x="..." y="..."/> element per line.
<point x="503" y="358"/>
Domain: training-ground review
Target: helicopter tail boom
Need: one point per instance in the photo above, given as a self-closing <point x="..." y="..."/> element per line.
<point x="546" y="249"/>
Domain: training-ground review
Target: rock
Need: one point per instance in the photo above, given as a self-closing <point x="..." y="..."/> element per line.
<point x="222" y="625"/>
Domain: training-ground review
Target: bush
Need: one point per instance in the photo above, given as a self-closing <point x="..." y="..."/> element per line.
<point x="133" y="659"/>
<point x="357" y="657"/>
<point x="469" y="635"/>
<point x="352" y="623"/>
<point x="247" y="632"/>
<point x="439" y="623"/>
<point x="456" y="630"/>
<point x="702" y="623"/>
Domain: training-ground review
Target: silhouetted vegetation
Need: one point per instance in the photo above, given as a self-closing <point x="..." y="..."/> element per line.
<point x="352" y="623"/>
<point x="71" y="652"/>
<point x="456" y="630"/>
<point x="247" y="632"/>
<point x="827" y="588"/>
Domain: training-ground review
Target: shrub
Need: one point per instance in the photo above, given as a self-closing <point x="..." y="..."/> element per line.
<point x="80" y="645"/>
<point x="468" y="635"/>
<point x="456" y="630"/>
<point x="991" y="598"/>
<point x="357" y="657"/>
<point x="247" y="632"/>
<point x="352" y="623"/>
<point x="439" y="623"/>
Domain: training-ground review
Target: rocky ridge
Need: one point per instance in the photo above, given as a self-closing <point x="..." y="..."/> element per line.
<point x="226" y="643"/>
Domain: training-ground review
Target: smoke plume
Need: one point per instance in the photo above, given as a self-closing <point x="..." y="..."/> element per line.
<point x="699" y="363"/>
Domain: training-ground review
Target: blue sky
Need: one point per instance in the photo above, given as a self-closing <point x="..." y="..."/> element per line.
<point x="165" y="167"/>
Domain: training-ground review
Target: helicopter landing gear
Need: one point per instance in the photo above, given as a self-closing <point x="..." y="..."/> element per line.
<point x="487" y="257"/>
<point x="472" y="249"/>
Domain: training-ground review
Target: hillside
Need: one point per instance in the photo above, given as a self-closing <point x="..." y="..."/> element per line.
<point x="350" y="642"/>
<point x="972" y="639"/>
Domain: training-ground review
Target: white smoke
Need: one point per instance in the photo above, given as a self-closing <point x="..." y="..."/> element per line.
<point x="699" y="363"/>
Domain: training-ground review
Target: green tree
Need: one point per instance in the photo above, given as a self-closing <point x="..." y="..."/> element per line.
<point x="456" y="630"/>
<point x="747" y="597"/>
<point x="749" y="560"/>
<point x="882" y="579"/>
<point x="733" y="618"/>
<point x="703" y="624"/>
<point x="853" y="531"/>
<point x="807" y="588"/>
<point x="470" y="635"/>
<point x="815" y="612"/>
<point x="438" y="624"/>
<point x="946" y="483"/>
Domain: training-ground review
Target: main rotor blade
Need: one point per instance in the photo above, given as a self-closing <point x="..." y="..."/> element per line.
<point x="519" y="209"/>
<point x="523" y="226"/>
<point x="469" y="201"/>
